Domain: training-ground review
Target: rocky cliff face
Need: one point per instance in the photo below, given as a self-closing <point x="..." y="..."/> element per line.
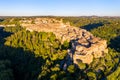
<point x="85" y="46"/>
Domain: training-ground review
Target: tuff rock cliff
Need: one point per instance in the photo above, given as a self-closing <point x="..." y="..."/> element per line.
<point x="85" y="46"/>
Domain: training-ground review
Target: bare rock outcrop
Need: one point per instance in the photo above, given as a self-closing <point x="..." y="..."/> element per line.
<point x="85" y="46"/>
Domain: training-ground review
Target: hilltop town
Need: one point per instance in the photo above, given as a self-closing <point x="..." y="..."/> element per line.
<point x="62" y="46"/>
<point x="85" y="46"/>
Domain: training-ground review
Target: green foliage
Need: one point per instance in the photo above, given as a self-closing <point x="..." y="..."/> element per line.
<point x="66" y="45"/>
<point x="45" y="44"/>
<point x="109" y="30"/>
<point x="91" y="76"/>
<point x="115" y="75"/>
<point x="6" y="72"/>
<point x="38" y="45"/>
<point x="13" y="29"/>
<point x="37" y="55"/>
<point x="53" y="77"/>
<point x="10" y="21"/>
<point x="81" y="65"/>
<point x="71" y="69"/>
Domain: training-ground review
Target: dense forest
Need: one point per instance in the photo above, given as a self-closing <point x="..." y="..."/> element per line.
<point x="26" y="55"/>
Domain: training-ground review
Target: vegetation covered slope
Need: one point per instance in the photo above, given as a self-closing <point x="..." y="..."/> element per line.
<point x="28" y="55"/>
<point x="31" y="55"/>
<point x="107" y="28"/>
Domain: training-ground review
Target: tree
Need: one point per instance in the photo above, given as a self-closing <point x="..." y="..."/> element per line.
<point x="6" y="73"/>
<point x="71" y="69"/>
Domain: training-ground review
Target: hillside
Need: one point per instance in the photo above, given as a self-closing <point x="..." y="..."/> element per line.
<point x="85" y="46"/>
<point x="46" y="48"/>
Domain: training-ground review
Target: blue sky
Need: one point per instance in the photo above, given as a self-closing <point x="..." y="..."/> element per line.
<point x="59" y="7"/>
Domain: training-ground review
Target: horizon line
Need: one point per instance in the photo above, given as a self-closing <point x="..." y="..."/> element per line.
<point x="59" y="16"/>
